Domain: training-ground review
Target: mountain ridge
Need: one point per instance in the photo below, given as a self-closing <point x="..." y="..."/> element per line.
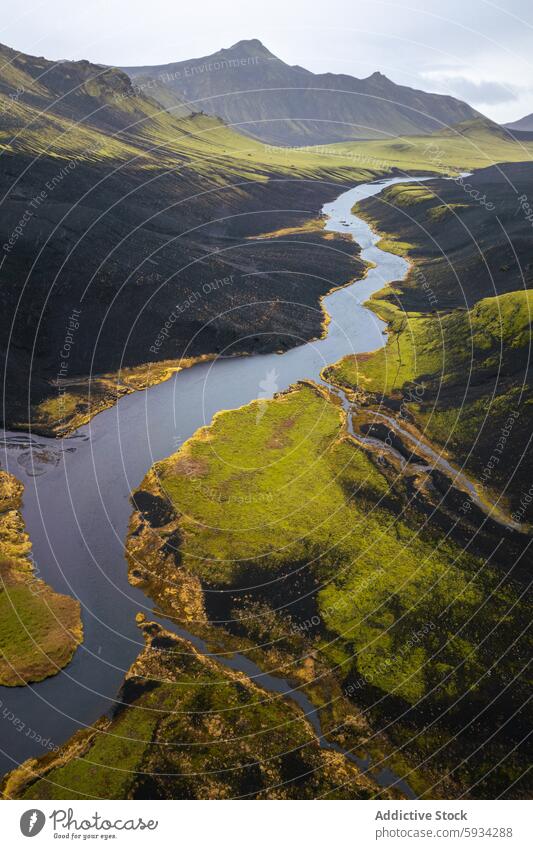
<point x="262" y="96"/>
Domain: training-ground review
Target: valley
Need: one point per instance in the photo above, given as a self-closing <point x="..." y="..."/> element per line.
<point x="268" y="388"/>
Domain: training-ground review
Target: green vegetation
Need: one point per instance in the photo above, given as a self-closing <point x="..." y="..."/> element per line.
<point x="81" y="125"/>
<point x="101" y="118"/>
<point x="411" y="630"/>
<point x="443" y="211"/>
<point x="408" y="195"/>
<point x="433" y="350"/>
<point x="471" y="145"/>
<point x="393" y="246"/>
<point x="39" y="628"/>
<point x="462" y="375"/>
<point x="402" y="612"/>
<point x="268" y="491"/>
<point x="191" y="729"/>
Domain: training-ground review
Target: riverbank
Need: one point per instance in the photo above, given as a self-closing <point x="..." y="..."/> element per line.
<point x="242" y="743"/>
<point x="39" y="629"/>
<point x="457" y="361"/>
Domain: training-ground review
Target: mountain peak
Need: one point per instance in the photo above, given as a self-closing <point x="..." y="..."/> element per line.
<point x="378" y="77"/>
<point x="250" y="47"/>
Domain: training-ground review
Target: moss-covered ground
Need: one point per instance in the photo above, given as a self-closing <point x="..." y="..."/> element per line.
<point x="192" y="729"/>
<point x="39" y="628"/>
<point x="406" y="620"/>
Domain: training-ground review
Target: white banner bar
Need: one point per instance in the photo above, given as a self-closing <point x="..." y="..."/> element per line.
<point x="269" y="825"/>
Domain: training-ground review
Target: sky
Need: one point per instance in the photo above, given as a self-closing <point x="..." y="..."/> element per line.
<point x="477" y="50"/>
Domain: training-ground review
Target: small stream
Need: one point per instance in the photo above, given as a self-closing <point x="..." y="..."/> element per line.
<point x="77" y="507"/>
<point x="429" y="458"/>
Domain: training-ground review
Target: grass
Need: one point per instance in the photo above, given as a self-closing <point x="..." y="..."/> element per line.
<point x="39" y="628"/>
<point x="406" y="619"/>
<point x="443" y="211"/>
<point x="438" y="348"/>
<point x="280" y="462"/>
<point x="466" y="147"/>
<point x="408" y="195"/>
<point x="195" y="731"/>
<point x="290" y="487"/>
<point x="449" y="369"/>
<point x="151" y="138"/>
<point x="393" y="246"/>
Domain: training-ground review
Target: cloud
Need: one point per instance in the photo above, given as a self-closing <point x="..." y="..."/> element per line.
<point x="483" y="92"/>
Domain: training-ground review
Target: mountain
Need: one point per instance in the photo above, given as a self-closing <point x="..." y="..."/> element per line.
<point x="261" y="96"/>
<point x="41" y="94"/>
<point x="122" y="209"/>
<point x="524" y="125"/>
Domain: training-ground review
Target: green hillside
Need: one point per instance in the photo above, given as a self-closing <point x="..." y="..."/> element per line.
<point x="320" y="556"/>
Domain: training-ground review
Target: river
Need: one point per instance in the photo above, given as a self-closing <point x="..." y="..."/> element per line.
<point x="76" y="500"/>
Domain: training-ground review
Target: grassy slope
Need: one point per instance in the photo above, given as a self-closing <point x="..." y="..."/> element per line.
<point x="471" y="145"/>
<point x="39" y="628"/>
<point x="438" y="350"/>
<point x="277" y="485"/>
<point x="172" y="741"/>
<point x="471" y="366"/>
<point x="95" y="115"/>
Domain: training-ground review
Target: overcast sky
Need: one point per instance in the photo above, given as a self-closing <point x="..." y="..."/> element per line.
<point x="478" y="50"/>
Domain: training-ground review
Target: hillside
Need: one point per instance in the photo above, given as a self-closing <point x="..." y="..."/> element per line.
<point x="188" y="728"/>
<point x="458" y="359"/>
<point x="121" y="209"/>
<point x="284" y="537"/>
<point x="524" y="124"/>
<point x="260" y="95"/>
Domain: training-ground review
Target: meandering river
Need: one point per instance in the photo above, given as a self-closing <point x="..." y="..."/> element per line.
<point x="76" y="501"/>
